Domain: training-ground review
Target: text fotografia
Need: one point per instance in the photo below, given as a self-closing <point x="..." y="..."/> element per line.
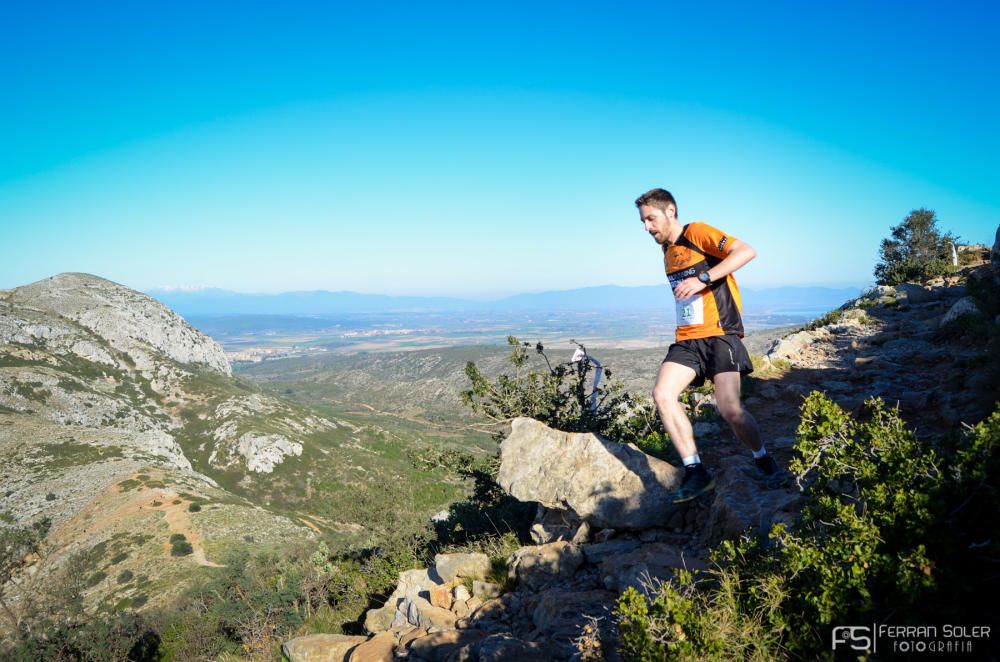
<point x="933" y="639"/>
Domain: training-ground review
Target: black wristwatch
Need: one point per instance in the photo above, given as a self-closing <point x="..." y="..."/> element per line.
<point x="705" y="278"/>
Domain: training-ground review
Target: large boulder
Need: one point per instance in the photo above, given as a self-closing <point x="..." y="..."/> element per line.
<point x="321" y="647"/>
<point x="608" y="484"/>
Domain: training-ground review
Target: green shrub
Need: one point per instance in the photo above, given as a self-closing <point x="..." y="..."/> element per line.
<point x="124" y="577"/>
<point x="177" y="537"/>
<point x="95" y="579"/>
<point x="916" y="251"/>
<point x="118" y="558"/>
<point x="869" y="546"/>
<point x="682" y="620"/>
<point x="831" y="317"/>
<point x="181" y="548"/>
<point x="559" y="396"/>
<point x="194" y="507"/>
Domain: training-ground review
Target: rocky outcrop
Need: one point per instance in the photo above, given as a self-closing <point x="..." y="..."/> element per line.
<point x="603" y="482"/>
<point x="131" y="322"/>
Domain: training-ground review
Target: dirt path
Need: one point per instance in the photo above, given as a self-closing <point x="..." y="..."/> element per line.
<point x="112" y="509"/>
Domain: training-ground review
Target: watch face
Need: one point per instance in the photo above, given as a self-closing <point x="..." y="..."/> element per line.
<point x="704" y="277"/>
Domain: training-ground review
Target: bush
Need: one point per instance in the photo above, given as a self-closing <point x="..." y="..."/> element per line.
<point x="561" y="396"/>
<point x="181" y="548"/>
<point x="124" y="577"/>
<point x="177" y="537"/>
<point x="868" y="547"/>
<point x="194" y="507"/>
<point x="916" y="251"/>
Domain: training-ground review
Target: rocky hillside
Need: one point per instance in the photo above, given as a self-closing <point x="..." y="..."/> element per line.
<point x="604" y="519"/>
<point x="124" y="426"/>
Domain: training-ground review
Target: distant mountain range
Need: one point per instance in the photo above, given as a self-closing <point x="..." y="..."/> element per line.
<point x="209" y="302"/>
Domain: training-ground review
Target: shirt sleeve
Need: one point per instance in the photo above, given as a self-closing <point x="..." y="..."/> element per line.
<point x="711" y="240"/>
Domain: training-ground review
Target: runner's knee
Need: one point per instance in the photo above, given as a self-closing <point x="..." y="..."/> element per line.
<point x="731" y="412"/>
<point x="663" y="395"/>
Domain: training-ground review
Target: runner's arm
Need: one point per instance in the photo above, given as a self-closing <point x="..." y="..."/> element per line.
<point x="739" y="254"/>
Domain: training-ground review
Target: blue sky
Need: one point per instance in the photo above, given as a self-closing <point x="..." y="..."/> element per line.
<point x="435" y="148"/>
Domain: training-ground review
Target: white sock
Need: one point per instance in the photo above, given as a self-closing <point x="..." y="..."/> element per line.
<point x="761" y="453"/>
<point x="691" y="460"/>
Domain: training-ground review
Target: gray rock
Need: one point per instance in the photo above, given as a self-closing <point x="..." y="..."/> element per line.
<point x="440" y="646"/>
<point x="597" y="552"/>
<point x="789" y="347"/>
<point x="421" y="613"/>
<point x="449" y="567"/>
<point x="915" y="293"/>
<point x="560" y="615"/>
<point x="411" y="584"/>
<point x="652" y="561"/>
<point x="540" y="566"/>
<point x="582" y="534"/>
<point x="742" y="503"/>
<point x="552" y="524"/>
<point x="964" y="307"/>
<point x="507" y="648"/>
<point x="321" y="647"/>
<point x="606" y="483"/>
<point x="485" y="590"/>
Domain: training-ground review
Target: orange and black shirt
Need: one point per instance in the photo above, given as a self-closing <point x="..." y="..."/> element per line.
<point x="716" y="310"/>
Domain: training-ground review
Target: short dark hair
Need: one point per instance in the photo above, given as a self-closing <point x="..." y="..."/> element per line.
<point x="656" y="197"/>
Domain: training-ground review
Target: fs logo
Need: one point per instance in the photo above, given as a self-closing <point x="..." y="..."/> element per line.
<point x="858" y="637"/>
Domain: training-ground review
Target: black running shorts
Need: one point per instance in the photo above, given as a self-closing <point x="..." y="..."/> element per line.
<point x="710" y="356"/>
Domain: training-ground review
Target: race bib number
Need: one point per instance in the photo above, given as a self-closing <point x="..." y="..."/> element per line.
<point x="690" y="311"/>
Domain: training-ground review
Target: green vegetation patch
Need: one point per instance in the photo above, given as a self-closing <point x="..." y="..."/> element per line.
<point x="95" y="579"/>
<point x="65" y="454"/>
<point x="867" y="548"/>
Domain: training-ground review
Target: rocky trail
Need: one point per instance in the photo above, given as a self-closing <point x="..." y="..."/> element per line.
<point x="605" y="520"/>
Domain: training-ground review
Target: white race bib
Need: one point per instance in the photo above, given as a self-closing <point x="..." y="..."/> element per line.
<point x="690" y="311"/>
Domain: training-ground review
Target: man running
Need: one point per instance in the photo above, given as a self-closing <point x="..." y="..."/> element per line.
<point x="699" y="261"/>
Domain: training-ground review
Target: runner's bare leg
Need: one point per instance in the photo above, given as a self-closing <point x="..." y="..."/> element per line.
<point x="727" y="399"/>
<point x="670" y="383"/>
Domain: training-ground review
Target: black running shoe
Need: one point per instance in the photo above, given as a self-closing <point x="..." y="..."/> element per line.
<point x="770" y="474"/>
<point x="696" y="481"/>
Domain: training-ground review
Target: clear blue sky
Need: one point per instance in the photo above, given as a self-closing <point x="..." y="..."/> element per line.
<point x="474" y="149"/>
